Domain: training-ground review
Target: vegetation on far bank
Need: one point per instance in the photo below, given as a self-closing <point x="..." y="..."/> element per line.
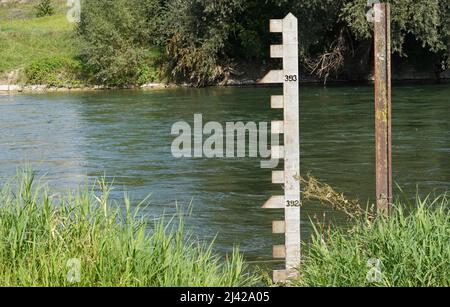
<point x="132" y="42"/>
<point x="37" y="50"/>
<point x="205" y="42"/>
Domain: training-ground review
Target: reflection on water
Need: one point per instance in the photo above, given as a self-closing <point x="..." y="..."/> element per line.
<point x="125" y="135"/>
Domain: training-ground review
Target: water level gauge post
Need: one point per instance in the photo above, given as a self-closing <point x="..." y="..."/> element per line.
<point x="290" y="151"/>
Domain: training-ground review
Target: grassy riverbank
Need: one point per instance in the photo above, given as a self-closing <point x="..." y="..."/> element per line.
<point x="26" y="41"/>
<point x="409" y="249"/>
<point x="48" y="51"/>
<point x="35" y="48"/>
<point x="42" y="238"/>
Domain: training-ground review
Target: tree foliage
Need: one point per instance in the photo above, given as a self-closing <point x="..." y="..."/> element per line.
<point x="202" y="41"/>
<point x="196" y="33"/>
<point x="118" y="40"/>
<point x="423" y="19"/>
<point x="44" y="8"/>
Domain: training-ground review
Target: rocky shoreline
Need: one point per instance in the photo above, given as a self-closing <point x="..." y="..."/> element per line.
<point x="244" y="82"/>
<point x="15" y="88"/>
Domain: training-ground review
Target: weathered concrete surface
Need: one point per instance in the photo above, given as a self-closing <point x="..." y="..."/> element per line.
<point x="290" y="151"/>
<point x="10" y="88"/>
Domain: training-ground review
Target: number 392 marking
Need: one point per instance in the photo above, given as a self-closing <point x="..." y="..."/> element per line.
<point x="293" y="203"/>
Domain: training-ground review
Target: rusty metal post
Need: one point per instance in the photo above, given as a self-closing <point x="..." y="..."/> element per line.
<point x="383" y="122"/>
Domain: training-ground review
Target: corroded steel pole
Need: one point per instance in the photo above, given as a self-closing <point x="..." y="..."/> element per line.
<point x="383" y="122"/>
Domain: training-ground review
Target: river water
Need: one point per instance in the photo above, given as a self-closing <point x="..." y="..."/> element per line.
<point x="74" y="138"/>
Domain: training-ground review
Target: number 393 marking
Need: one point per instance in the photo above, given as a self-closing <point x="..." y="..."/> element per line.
<point x="290" y="78"/>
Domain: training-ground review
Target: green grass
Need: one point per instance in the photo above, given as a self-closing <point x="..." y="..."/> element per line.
<point x="25" y="41"/>
<point x="40" y="234"/>
<point x="26" y="10"/>
<point x="413" y="249"/>
<point x="117" y="245"/>
<point x="32" y="49"/>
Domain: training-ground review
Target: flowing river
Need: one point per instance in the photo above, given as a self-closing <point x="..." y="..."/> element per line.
<point x="74" y="138"/>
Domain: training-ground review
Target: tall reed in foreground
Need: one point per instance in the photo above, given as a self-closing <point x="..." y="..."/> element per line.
<point x="407" y="249"/>
<point x="44" y="241"/>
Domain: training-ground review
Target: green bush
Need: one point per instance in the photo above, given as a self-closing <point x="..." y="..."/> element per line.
<point x="204" y="40"/>
<point x="41" y="235"/>
<point x="55" y="71"/>
<point x="197" y="38"/>
<point x="118" y="41"/>
<point x="413" y="249"/>
<point x="44" y="8"/>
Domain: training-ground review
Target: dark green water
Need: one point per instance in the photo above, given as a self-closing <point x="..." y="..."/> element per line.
<point x="77" y="137"/>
